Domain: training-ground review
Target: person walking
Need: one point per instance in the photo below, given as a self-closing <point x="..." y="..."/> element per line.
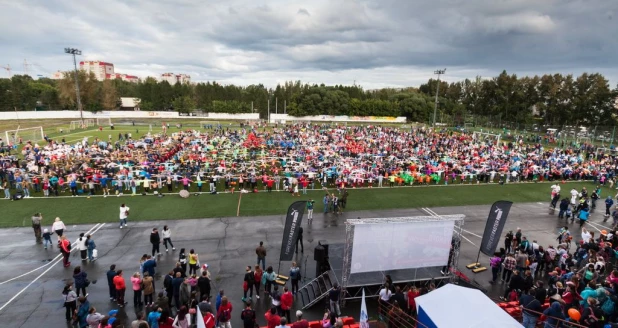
<point x="257" y="274"/>
<point x="65" y="249"/>
<point x="70" y="301"/>
<point x="121" y="287"/>
<point x="268" y="279"/>
<point x="508" y="265"/>
<point x="495" y="263"/>
<point x="136" y="282"/>
<point x="193" y="262"/>
<point x="80" y="280"/>
<point x="294" y="277"/>
<point x="608" y="205"/>
<point x="58" y="227"/>
<point x="124" y="214"/>
<point x="111" y="273"/>
<point x="167" y="238"/>
<point x="91" y="248"/>
<point x="36" y="226"/>
<point x="260" y="251"/>
<point x="310" y="205"/>
<point x="155" y="240"/>
<point x="47" y="238"/>
<point x="83" y="247"/>
<point x="249" y="281"/>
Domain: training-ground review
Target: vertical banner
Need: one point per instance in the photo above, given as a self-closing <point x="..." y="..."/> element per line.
<point x="200" y="319"/>
<point x="290" y="231"/>
<point x="363" y="315"/>
<point x="495" y="223"/>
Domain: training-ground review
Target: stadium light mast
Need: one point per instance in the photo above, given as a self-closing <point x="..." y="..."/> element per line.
<point x="435" y="108"/>
<point x="74" y="52"/>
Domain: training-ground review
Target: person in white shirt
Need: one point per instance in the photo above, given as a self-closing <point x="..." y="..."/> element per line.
<point x="83" y="246"/>
<point x="574" y="195"/>
<point x="124" y="214"/>
<point x="58" y="227"/>
<point x="586" y="235"/>
<point x="167" y="238"/>
<point x="385" y="296"/>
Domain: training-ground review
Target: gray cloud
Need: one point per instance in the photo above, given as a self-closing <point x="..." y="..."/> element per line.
<point x="338" y="42"/>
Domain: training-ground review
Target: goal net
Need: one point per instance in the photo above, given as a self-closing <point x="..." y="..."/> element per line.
<point x="104" y="121"/>
<point x="78" y="124"/>
<point x="209" y="124"/>
<point x="485" y="137"/>
<point x="26" y="134"/>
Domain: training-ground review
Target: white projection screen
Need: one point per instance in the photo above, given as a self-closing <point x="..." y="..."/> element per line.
<point x="401" y="245"/>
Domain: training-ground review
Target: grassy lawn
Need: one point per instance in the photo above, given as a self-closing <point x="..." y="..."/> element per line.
<point x="98" y="209"/>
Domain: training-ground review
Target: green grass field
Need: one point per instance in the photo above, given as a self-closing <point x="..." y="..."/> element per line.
<point x="98" y="209"/>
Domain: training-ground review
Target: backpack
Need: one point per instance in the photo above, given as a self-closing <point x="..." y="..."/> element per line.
<point x="225" y="316"/>
<point x="608" y="307"/>
<point x="248" y="317"/>
<point x="588" y="275"/>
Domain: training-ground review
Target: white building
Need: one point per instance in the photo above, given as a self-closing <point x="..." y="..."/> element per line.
<point x="100" y="69"/>
<point x="172" y="78"/>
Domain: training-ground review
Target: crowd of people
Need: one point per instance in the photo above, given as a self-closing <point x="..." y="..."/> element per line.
<point x="308" y="156"/>
<point x="290" y="157"/>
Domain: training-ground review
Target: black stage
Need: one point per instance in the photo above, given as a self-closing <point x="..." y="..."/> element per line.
<point x="365" y="279"/>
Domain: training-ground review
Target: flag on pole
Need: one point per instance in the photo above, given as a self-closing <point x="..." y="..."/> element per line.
<point x="200" y="319"/>
<point x="363" y="315"/>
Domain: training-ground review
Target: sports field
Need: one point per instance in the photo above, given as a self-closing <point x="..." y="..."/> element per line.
<point x="78" y="210"/>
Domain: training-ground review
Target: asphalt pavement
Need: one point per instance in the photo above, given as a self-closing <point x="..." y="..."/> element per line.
<point x="31" y="281"/>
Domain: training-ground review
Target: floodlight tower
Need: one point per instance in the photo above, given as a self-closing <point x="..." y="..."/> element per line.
<point x="435" y="108"/>
<point x="74" y="52"/>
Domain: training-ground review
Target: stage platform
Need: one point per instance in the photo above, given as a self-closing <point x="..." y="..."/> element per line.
<point x="373" y="280"/>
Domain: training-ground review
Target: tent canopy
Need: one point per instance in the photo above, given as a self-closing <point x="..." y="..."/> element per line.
<point x="453" y="306"/>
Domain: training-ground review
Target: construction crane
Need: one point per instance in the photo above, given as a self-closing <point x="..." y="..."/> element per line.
<point x="8" y="69"/>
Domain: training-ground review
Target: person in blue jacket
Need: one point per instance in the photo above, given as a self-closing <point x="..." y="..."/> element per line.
<point x="608" y="204"/>
<point x="583" y="216"/>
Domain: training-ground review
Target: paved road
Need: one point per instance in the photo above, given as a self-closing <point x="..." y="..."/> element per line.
<point x="226" y="244"/>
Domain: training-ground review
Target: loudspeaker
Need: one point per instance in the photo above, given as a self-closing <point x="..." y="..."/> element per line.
<point x="319" y="254"/>
<point x="324" y="244"/>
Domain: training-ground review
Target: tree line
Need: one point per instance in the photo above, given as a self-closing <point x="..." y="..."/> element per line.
<point x="555" y="99"/>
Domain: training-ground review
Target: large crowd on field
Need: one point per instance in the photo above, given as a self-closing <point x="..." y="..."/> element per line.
<point x="292" y="156"/>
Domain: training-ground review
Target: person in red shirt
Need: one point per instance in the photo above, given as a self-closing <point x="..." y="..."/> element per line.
<point x="209" y="319"/>
<point x="300" y="322"/>
<point x="269" y="184"/>
<point x="272" y="318"/>
<point x="121" y="287"/>
<point x="286" y="302"/>
<point x="224" y="314"/>
<point x="412" y="294"/>
<point x="65" y="249"/>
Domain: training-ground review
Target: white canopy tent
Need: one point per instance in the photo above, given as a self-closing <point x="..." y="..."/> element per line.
<point x="455" y="306"/>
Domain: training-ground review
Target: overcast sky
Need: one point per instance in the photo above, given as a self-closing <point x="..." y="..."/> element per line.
<point x="377" y="43"/>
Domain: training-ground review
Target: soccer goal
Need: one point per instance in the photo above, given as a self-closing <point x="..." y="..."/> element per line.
<point x="209" y="124"/>
<point x="104" y="121"/>
<point x="78" y="124"/>
<point x="26" y="134"/>
<point x="484" y="136"/>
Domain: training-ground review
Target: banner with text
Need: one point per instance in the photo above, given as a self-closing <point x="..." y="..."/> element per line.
<point x="290" y="231"/>
<point x="495" y="223"/>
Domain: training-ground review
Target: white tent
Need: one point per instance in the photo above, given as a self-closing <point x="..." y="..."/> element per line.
<point x="453" y="306"/>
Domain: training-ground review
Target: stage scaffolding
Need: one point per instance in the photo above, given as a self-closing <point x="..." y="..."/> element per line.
<point x="349" y="242"/>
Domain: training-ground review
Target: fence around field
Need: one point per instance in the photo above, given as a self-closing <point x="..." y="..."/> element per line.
<point x="601" y="135"/>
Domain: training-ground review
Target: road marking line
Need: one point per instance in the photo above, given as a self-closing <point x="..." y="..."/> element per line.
<point x="48" y="263"/>
<point x="472" y="233"/>
<point x="238" y="209"/>
<point x="41" y="275"/>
